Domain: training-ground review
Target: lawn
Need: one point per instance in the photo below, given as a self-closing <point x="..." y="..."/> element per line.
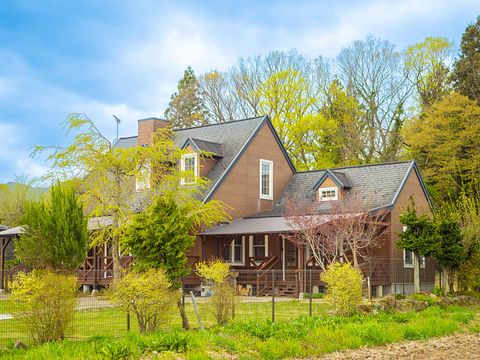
<point x="104" y="321"/>
<point x="260" y="339"/>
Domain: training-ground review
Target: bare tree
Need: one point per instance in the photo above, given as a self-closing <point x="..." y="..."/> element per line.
<point x="346" y="231"/>
<point x="374" y="72"/>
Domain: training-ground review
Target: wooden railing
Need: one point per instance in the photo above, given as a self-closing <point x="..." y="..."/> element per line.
<point x="263" y="272"/>
<point x="10" y="274"/>
<point x="98" y="270"/>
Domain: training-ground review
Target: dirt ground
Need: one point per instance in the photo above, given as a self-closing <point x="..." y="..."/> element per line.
<point x="461" y="346"/>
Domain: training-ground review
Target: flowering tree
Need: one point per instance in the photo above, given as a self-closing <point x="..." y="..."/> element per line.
<point x="344" y="231"/>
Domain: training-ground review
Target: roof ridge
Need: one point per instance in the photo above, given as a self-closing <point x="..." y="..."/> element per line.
<point x="128" y="137"/>
<point x="356" y="166"/>
<point x="220" y="123"/>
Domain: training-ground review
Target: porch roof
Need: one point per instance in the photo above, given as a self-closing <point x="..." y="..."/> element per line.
<point x="273" y="224"/>
<point x="11" y="232"/>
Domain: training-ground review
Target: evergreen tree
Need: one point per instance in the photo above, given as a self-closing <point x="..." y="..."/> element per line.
<point x="466" y="74"/>
<point x="186" y="108"/>
<point x="55" y="235"/>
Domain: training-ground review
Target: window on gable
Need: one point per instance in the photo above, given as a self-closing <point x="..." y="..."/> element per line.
<point x="142" y="180"/>
<point x="328" y="194"/>
<point x="189" y="167"/>
<point x="266" y="179"/>
<point x="235" y="251"/>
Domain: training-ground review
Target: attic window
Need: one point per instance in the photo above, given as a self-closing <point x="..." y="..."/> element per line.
<point x="189" y="167"/>
<point x="328" y="194"/>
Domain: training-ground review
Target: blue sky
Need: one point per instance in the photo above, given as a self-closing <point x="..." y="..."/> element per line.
<point x="125" y="57"/>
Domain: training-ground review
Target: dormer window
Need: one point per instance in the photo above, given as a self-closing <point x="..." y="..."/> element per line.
<point x="328" y="194"/>
<point x="189" y="166"/>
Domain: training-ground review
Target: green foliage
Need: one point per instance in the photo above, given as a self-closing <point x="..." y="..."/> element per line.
<point x="344" y="287"/>
<point x="186" y="108"/>
<point x="45" y="303"/>
<point x="148" y="295"/>
<point x="428" y="68"/>
<point x="223" y="298"/>
<point x="55" y="231"/>
<point x="161" y="235"/>
<point x="466" y="73"/>
<point x="419" y="235"/>
<point x="444" y="142"/>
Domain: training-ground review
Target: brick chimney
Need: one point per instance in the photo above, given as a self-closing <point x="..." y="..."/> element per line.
<point x="147" y="127"/>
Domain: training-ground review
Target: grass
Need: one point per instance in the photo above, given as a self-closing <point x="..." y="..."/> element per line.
<point x="261" y="339"/>
<point x="112" y="321"/>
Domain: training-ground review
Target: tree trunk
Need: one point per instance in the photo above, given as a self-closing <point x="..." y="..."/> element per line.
<point x="416" y="273"/>
<point x="451" y="281"/>
<point x="117" y="274"/>
<point x="444" y="280"/>
<point x="183" y="314"/>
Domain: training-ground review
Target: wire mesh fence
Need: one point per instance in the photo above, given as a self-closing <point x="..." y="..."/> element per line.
<point x="274" y="294"/>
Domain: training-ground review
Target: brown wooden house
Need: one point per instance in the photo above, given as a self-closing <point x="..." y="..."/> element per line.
<point x="250" y="171"/>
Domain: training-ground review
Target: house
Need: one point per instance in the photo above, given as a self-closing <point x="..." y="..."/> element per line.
<point x="250" y="170"/>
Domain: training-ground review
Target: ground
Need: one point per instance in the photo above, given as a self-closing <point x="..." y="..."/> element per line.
<point x="458" y="347"/>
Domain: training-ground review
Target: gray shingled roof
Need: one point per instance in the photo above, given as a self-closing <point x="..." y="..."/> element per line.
<point x="233" y="136"/>
<point x="373" y="186"/>
<point x="214" y="148"/>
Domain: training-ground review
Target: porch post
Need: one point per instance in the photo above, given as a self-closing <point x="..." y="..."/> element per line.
<point x="203" y="247"/>
<point x="2" y="265"/>
<point x="283" y="257"/>
<point x="301" y="266"/>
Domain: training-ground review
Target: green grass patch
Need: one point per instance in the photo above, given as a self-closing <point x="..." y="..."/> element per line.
<point x="262" y="339"/>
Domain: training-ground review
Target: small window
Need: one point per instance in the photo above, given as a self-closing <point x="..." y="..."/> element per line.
<point x="266" y="179"/>
<point x="328" y="194"/>
<point x="258" y="246"/>
<point x="408" y="260"/>
<point x="142" y="181"/>
<point x="235" y="252"/>
<point x="189" y="166"/>
<point x="291" y="254"/>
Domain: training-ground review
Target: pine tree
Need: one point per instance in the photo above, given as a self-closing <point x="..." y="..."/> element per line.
<point x="186" y="108"/>
<point x="467" y="68"/>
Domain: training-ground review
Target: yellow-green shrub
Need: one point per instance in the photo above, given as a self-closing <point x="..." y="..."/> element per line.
<point x="44" y="302"/>
<point x="344" y="287"/>
<point x="148" y="295"/>
<point x="223" y="298"/>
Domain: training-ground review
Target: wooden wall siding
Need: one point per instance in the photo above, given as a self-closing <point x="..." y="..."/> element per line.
<point x="241" y="188"/>
<point x="411" y="189"/>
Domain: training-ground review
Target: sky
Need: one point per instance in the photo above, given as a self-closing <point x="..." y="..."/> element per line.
<point x="125" y="58"/>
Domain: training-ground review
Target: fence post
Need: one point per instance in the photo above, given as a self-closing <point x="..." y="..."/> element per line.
<point x="196" y="310"/>
<point x="128" y="320"/>
<point x="369" y="288"/>
<point x="311" y="294"/>
<point x="273" y="296"/>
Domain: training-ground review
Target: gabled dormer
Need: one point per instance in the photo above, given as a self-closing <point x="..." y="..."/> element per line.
<point x="200" y="158"/>
<point x="332" y="185"/>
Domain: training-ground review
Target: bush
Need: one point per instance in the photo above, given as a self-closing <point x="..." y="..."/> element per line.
<point x="45" y="303"/>
<point x="344" y="287"/>
<point x="223" y="298"/>
<point x="148" y="295"/>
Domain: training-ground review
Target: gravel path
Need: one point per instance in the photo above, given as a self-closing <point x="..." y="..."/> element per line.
<point x="459" y="347"/>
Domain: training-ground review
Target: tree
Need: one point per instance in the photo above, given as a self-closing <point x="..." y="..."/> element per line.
<point x="428" y="68"/>
<point x="12" y="200"/>
<point x="449" y="249"/>
<point x="160" y="236"/>
<point x="445" y="143"/>
<point x="346" y="231"/>
<point x="55" y="231"/>
<point x="466" y="73"/>
<point x="418" y="237"/>
<point x="374" y="72"/>
<point x="106" y="174"/>
<point x="186" y="108"/>
<point x="148" y="295"/>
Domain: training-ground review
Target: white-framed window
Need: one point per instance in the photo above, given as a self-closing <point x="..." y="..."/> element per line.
<point x="235" y="252"/>
<point x="142" y="181"/>
<point x="408" y="256"/>
<point x="189" y="166"/>
<point x="328" y="194"/>
<point x="266" y="179"/>
<point x="258" y="246"/>
<point x="408" y="260"/>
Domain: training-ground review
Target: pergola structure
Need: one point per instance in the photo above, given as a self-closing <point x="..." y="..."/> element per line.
<point x="7" y="235"/>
